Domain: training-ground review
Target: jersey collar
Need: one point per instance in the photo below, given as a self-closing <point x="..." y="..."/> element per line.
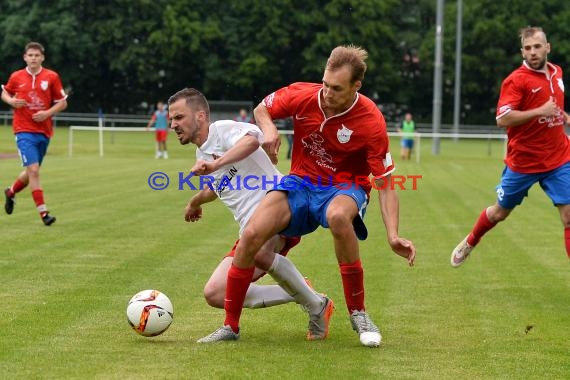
<point x="342" y="113"/>
<point x="551" y="68"/>
<point x="36" y="74"/>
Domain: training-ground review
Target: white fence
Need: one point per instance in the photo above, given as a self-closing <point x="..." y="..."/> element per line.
<point x="417" y="136"/>
<point x="100" y="131"/>
<point x="454" y="136"/>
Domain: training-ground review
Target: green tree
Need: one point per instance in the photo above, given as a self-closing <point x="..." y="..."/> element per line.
<point x="119" y="55"/>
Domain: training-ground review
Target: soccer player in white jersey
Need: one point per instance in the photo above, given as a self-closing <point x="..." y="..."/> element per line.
<point x="229" y="152"/>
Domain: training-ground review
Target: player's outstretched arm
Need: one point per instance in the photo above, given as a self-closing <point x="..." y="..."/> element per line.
<point x="242" y="149"/>
<point x="390" y="209"/>
<point x="193" y="210"/>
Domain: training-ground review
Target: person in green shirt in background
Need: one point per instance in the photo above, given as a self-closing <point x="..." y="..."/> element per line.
<point x="407" y="131"/>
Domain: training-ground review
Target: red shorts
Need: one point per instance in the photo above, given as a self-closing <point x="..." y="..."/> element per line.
<point x="290" y="242"/>
<point x="161" y="135"/>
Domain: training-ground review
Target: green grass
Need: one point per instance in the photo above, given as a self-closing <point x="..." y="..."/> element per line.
<point x="65" y="288"/>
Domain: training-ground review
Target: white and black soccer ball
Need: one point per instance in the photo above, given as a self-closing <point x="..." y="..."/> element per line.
<point x="150" y="312"/>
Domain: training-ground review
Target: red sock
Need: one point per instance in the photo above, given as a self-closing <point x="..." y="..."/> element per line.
<point x="567" y="240"/>
<point x="353" y="284"/>
<point x="16" y="187"/>
<point x="481" y="227"/>
<point x="38" y="196"/>
<point x="238" y="283"/>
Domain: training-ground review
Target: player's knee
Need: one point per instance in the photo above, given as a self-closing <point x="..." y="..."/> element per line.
<point x="252" y="241"/>
<point x="338" y="221"/>
<point x="33" y="170"/>
<point x="214" y="295"/>
<point x="497" y="214"/>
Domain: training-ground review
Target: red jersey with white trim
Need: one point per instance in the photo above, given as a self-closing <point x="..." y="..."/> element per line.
<point x="541" y="144"/>
<point x="342" y="148"/>
<point x="40" y="92"/>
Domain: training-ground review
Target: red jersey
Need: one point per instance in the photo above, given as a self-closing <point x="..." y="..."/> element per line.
<point x="40" y="91"/>
<point x="342" y="147"/>
<point x="541" y="144"/>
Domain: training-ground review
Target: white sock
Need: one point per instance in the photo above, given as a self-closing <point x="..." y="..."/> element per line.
<point x="259" y="296"/>
<point x="291" y="280"/>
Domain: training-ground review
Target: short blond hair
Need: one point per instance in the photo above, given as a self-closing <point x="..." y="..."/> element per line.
<point x="530" y="31"/>
<point x="349" y="55"/>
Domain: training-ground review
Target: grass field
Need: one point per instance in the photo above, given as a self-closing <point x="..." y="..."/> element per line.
<point x="65" y="288"/>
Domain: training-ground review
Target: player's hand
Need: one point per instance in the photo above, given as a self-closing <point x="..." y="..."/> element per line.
<point x="18" y="103"/>
<point x="271" y="144"/>
<point x="191" y="213"/>
<point x="549" y="108"/>
<point x="40" y="116"/>
<point x="404" y="248"/>
<point x="202" y="167"/>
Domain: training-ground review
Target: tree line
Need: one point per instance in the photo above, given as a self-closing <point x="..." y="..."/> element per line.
<point x="123" y="55"/>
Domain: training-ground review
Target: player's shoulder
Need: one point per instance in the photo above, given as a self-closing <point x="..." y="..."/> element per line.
<point x="48" y="73"/>
<point x="518" y="78"/>
<point x="226" y="126"/>
<point x="519" y="72"/>
<point x="557" y="69"/>
<point x="19" y="74"/>
<point x="369" y="106"/>
<point x="304" y="88"/>
<point x="367" y="102"/>
<point x="305" y="85"/>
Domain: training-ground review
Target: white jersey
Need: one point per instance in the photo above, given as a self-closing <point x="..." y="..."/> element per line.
<point x="242" y="184"/>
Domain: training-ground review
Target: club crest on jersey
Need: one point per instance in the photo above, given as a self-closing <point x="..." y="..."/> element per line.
<point x="44" y="85"/>
<point x="561" y="84"/>
<point x="343" y="134"/>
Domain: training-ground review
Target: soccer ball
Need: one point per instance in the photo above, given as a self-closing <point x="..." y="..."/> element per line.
<point x="150" y="312"/>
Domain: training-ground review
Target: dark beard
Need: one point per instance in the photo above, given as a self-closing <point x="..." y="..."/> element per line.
<point x="538" y="66"/>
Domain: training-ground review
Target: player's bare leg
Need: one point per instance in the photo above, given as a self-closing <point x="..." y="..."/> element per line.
<point x="565" y="217"/>
<point x="340" y="214"/>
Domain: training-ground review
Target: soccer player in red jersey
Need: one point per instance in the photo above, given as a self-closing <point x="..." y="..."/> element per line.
<point x="531" y="109"/>
<point x="36" y="94"/>
<point x="339" y="136"/>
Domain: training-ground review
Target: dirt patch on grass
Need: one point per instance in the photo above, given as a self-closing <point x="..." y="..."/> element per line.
<point x="6" y="156"/>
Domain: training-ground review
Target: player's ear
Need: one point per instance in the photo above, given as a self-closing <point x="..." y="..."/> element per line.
<point x="201" y="115"/>
<point x="358" y="85"/>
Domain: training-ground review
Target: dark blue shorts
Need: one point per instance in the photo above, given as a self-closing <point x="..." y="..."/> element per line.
<point x="514" y="186"/>
<point x="408" y="143"/>
<point x="32" y="147"/>
<point x="309" y="203"/>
